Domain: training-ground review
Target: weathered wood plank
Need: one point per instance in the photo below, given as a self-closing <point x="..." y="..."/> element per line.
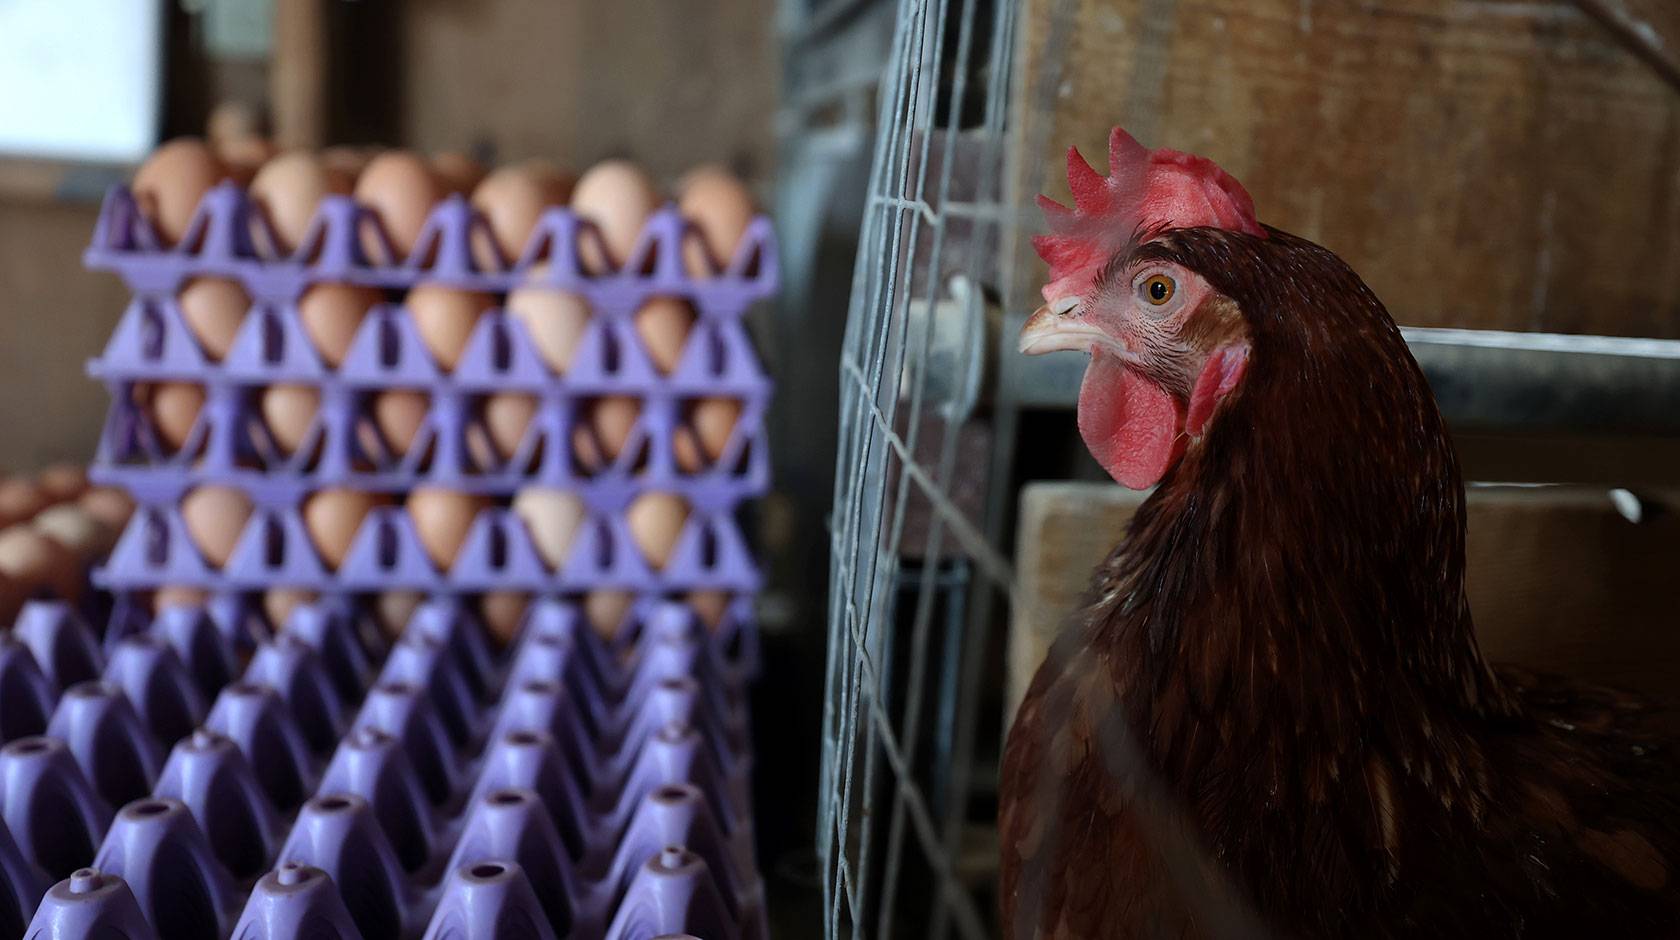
<point x="1065" y="529"/>
<point x="1510" y="158"/>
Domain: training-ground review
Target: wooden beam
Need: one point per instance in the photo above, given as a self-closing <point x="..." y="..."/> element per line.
<point x="298" y="74"/>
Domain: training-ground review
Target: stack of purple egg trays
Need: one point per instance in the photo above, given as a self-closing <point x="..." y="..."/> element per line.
<point x="201" y="773"/>
<point x="229" y="444"/>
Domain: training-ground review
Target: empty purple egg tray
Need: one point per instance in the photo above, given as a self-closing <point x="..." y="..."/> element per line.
<point x="331" y="785"/>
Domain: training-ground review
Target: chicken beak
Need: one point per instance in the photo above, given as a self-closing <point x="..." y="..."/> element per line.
<point x="1053" y="328"/>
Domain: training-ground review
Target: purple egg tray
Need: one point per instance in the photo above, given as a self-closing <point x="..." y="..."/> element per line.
<point x="330" y="785"/>
<point x="229" y="444"/>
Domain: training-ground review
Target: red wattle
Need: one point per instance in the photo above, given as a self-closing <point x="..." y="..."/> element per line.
<point x="1130" y="424"/>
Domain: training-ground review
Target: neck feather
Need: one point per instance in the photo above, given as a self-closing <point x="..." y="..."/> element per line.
<point x="1297" y="580"/>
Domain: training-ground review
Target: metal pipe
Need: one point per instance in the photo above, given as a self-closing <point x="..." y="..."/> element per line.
<point x="1484" y="380"/>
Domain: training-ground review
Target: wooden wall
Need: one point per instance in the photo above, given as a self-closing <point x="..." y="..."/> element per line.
<point x="54" y="316"/>
<point x="1505" y="164"/>
<point x="671" y="82"/>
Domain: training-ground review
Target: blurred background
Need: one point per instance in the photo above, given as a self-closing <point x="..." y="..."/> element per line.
<point x="1504" y="173"/>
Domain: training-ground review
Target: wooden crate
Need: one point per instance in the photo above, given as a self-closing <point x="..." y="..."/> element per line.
<point x="1505" y="164"/>
<point x="1559" y="581"/>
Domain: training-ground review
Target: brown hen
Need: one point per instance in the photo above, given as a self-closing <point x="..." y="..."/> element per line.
<point x="1272" y="717"/>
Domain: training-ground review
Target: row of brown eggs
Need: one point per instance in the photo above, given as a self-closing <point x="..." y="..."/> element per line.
<point x="402" y="187"/>
<point x="214" y="309"/>
<point x="606" y="423"/>
<point x="331" y="313"/>
<point x="52" y="526"/>
<point x="216" y="516"/>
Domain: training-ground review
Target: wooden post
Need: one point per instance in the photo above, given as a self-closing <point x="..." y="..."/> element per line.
<point x="298" y="74"/>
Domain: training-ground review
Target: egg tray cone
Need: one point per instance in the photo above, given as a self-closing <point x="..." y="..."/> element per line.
<point x="328" y="785"/>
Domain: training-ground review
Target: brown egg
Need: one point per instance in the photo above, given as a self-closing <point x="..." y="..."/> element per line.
<point x="289" y="410"/>
<point x="605" y="611"/>
<point x="709" y="607"/>
<point x="701" y="440"/>
<point x="554" y="319"/>
<point x="108" y="504"/>
<point x="392" y="609"/>
<point x="655" y="521"/>
<point x="511" y="200"/>
<point x="506" y="416"/>
<point x="503" y="611"/>
<point x="168" y="186"/>
<point x="333" y="517"/>
<point x="552" y="516"/>
<point x="214" y="308"/>
<point x="715" y="419"/>
<point x="610" y="421"/>
<point x="663" y="323"/>
<point x="290" y="188"/>
<point x="76" y="529"/>
<point x="721" y="208"/>
<point x="278" y="604"/>
<point x="63" y="481"/>
<point x="37" y="563"/>
<point x="20" y="500"/>
<point x="215" y="518"/>
<point x="441" y="519"/>
<point x="618" y="197"/>
<point x="332" y="313"/>
<point x="172" y="408"/>
<point x="244" y="156"/>
<point x="457" y="172"/>
<point x="176" y="596"/>
<point x="444" y="317"/>
<point x="399" y="415"/>
<point x="401" y="188"/>
<point x="350" y="161"/>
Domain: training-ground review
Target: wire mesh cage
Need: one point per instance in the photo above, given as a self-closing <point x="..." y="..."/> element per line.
<point x="914" y="574"/>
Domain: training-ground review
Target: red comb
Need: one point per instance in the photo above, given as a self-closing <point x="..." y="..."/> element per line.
<point x="1144" y="188"/>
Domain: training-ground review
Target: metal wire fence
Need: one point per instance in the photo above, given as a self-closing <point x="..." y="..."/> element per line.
<point x="913" y="572"/>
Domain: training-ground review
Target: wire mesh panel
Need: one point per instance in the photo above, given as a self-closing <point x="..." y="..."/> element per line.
<point x="912" y="569"/>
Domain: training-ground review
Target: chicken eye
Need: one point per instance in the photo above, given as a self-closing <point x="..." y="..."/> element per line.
<point x="1159" y="289"/>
